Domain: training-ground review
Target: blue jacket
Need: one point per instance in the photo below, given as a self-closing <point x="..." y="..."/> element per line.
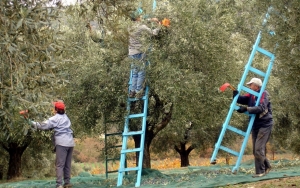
<point x="263" y="111"/>
<point x="63" y="134"/>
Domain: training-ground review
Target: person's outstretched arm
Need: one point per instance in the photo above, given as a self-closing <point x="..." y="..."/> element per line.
<point x="45" y="125"/>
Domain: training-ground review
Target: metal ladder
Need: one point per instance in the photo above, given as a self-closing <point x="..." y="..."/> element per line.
<point x="109" y="147"/>
<point x="233" y="106"/>
<point x="127" y="133"/>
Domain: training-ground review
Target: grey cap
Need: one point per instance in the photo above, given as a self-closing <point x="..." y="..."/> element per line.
<point x="255" y="81"/>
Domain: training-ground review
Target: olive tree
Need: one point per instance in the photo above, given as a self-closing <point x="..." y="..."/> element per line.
<point x="29" y="74"/>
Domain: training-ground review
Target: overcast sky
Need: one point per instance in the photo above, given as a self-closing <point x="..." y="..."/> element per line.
<point x="68" y="2"/>
<point x="64" y="2"/>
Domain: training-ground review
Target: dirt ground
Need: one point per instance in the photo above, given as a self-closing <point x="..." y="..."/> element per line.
<point x="282" y="182"/>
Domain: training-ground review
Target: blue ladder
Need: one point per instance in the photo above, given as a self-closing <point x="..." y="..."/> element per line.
<point x="127" y="133"/>
<point x="233" y="106"/>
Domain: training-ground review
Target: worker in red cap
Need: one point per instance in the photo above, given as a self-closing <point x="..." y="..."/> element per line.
<point x="63" y="141"/>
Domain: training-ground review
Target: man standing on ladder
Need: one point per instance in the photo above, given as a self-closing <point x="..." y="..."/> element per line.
<point x="135" y="52"/>
<point x="262" y="125"/>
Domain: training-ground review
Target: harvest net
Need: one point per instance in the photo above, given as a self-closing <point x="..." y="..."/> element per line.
<point x="192" y="177"/>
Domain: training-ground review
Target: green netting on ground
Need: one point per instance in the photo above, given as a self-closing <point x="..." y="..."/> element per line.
<point x="189" y="177"/>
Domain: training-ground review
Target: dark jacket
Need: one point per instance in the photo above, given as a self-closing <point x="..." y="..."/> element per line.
<point x="263" y="111"/>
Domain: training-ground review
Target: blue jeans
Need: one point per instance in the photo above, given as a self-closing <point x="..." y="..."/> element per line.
<point x="138" y="72"/>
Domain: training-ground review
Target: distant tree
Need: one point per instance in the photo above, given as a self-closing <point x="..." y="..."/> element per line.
<point x="286" y="97"/>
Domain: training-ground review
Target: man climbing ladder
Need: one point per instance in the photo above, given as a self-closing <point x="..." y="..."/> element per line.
<point x="136" y="94"/>
<point x="136" y="53"/>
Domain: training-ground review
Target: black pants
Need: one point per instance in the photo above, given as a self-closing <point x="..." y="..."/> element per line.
<point x="260" y="138"/>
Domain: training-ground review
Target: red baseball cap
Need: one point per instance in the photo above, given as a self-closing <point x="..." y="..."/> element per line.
<point x="59" y="105"/>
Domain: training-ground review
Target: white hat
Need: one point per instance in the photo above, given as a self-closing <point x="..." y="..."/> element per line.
<point x="255" y="81"/>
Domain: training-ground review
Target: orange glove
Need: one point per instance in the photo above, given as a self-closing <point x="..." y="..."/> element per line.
<point x="166" y="22"/>
<point x="24" y="113"/>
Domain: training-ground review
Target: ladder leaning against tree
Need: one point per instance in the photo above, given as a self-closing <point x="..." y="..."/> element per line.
<point x="127" y="133"/>
<point x="142" y="116"/>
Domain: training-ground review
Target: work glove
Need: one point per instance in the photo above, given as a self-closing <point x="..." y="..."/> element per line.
<point x="242" y="109"/>
<point x="235" y="92"/>
<point x="32" y="124"/>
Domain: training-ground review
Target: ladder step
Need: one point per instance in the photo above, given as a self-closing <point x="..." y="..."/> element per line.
<point x="236" y="130"/>
<point x="265" y="52"/>
<point x="135" y="99"/>
<point x="112" y="171"/>
<point x="229" y="151"/>
<point x="248" y="90"/>
<point x="112" y="134"/>
<point x="256" y="71"/>
<point x="129" y="169"/>
<point x="116" y="146"/>
<point x="136" y="115"/>
<point x="113" y="159"/>
<point x="131" y="150"/>
<point x="133" y="133"/>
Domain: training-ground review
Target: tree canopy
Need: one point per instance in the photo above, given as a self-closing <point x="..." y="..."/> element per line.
<point x="48" y="53"/>
<point x="31" y="73"/>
